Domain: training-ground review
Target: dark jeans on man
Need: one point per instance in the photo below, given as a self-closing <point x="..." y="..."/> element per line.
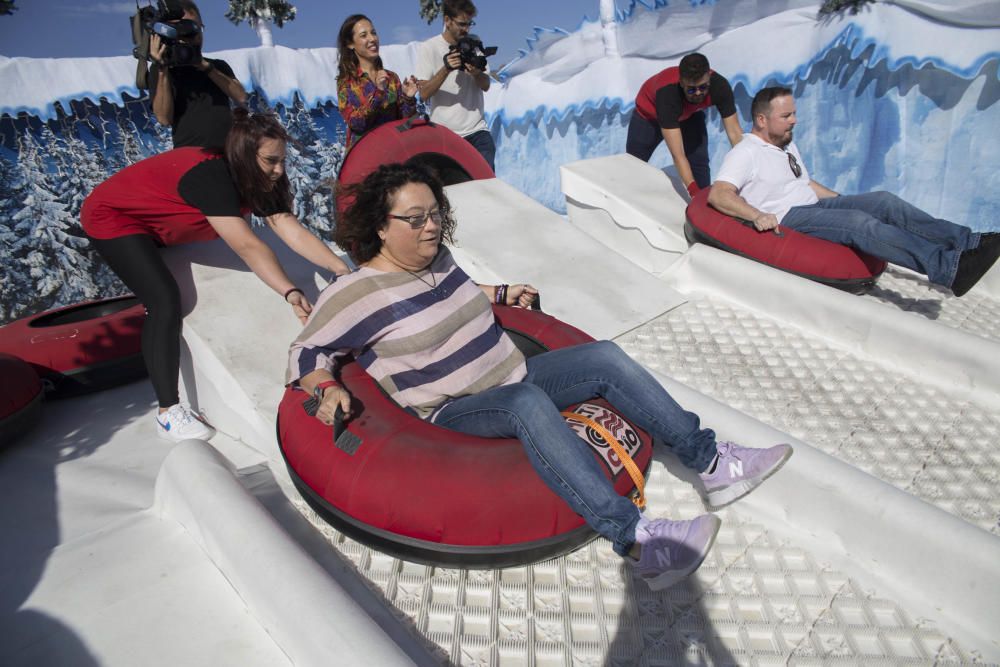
<point x="883" y="225"/>
<point x="482" y="141"/>
<point x="644" y="136"/>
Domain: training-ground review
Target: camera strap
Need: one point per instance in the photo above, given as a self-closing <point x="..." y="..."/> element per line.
<point x="140" y="48"/>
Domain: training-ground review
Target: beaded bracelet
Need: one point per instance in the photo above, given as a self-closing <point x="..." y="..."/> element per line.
<point x="501" y="295"/>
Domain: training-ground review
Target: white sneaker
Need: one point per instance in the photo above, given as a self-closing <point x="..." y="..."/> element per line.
<point x="180" y="423"/>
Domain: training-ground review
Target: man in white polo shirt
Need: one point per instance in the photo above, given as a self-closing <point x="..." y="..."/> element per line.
<point x="764" y="180"/>
<point x="454" y="92"/>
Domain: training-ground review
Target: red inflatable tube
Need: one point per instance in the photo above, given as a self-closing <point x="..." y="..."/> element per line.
<point x="825" y="262"/>
<point x="424" y="493"/>
<point x="20" y="398"/>
<point x="81" y="348"/>
<point x="416" y="138"/>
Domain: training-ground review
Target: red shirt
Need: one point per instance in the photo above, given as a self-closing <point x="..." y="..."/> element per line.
<point x="153" y="197"/>
<point x="645" y="101"/>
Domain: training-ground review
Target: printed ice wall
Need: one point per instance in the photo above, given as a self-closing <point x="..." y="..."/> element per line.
<point x="894" y="98"/>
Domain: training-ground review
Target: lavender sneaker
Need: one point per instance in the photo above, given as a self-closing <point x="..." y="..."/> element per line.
<point x="671" y="550"/>
<point x="739" y="470"/>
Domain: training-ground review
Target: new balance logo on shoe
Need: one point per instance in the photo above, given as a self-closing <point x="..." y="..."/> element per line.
<point x="671" y="550"/>
<point x="739" y="470"/>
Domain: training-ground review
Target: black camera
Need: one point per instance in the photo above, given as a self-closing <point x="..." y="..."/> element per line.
<point x="166" y="20"/>
<point x="472" y="52"/>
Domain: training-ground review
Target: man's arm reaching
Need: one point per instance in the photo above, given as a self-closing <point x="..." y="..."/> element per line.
<point x="726" y="198"/>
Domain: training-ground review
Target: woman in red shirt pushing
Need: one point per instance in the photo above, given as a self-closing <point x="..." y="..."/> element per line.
<point x="194" y="194"/>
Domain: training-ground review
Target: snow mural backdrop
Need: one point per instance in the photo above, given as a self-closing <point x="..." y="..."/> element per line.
<point x="902" y="96"/>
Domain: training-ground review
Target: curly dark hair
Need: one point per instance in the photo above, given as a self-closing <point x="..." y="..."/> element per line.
<point x="254" y="187"/>
<point x="347" y="65"/>
<point x="369" y="204"/>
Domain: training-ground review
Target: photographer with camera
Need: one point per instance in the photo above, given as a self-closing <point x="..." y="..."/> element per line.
<point x="453" y="75"/>
<point x="188" y="91"/>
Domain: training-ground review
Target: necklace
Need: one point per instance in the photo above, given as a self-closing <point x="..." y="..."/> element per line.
<point x="432" y="284"/>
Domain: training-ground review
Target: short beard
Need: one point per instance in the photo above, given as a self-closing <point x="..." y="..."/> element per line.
<point x="779" y="140"/>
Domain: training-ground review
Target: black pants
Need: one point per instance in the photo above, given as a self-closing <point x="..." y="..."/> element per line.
<point x="644" y="136"/>
<point x="483" y="142"/>
<point x="137" y="261"/>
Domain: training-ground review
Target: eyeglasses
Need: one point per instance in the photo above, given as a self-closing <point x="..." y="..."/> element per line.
<point x="464" y="24"/>
<point x="695" y="90"/>
<point x="794" y="165"/>
<point x="419" y="220"/>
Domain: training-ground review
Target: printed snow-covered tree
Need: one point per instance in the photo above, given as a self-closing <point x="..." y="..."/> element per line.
<point x="128" y="142"/>
<point x="430" y="9"/>
<point x="260" y="13"/>
<point x="80" y="169"/>
<point x="49" y="245"/>
<point x="302" y="172"/>
<point x="829" y="7"/>
<point x="16" y="283"/>
<point x="314" y="162"/>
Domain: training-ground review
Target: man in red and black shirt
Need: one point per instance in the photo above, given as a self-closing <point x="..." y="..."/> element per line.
<point x="670" y="107"/>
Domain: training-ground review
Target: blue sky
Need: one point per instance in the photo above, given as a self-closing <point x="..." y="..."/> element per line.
<point x="65" y="28"/>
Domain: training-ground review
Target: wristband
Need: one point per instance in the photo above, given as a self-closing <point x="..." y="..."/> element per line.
<point x="500" y="296"/>
<point x="321" y="388"/>
<point x="294" y="289"/>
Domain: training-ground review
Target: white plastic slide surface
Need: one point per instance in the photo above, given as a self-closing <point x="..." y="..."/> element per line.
<point x="505" y="235"/>
<point x="630" y="206"/>
<point x="943" y="356"/>
<point x="236" y="336"/>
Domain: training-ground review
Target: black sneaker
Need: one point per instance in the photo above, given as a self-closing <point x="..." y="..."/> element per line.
<point x="973" y="264"/>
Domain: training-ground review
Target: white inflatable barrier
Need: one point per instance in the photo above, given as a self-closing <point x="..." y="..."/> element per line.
<point x="628" y="205"/>
<point x="312" y="619"/>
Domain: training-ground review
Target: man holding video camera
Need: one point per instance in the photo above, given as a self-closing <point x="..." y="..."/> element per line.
<point x="189" y="92"/>
<point x="452" y="84"/>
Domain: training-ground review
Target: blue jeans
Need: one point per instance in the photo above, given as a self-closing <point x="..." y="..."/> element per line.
<point x="483" y="142"/>
<point x="883" y="225"/>
<point x="644" y="136"/>
<point x="529" y="411"/>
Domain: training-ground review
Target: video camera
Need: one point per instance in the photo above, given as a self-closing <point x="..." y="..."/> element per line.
<point x="472" y="52"/>
<point x="166" y="20"/>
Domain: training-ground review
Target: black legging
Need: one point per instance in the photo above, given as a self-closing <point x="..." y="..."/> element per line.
<point x="137" y="261"/>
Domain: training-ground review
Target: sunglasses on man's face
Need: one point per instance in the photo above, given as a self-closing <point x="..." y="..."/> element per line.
<point x="794" y="165"/>
<point x="696" y="90"/>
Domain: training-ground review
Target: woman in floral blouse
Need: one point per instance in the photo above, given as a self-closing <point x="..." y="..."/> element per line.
<point x="367" y="93"/>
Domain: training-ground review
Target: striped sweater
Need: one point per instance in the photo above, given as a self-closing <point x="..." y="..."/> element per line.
<point x="424" y="345"/>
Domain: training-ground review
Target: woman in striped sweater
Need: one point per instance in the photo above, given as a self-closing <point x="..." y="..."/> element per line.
<point x="416" y="322"/>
